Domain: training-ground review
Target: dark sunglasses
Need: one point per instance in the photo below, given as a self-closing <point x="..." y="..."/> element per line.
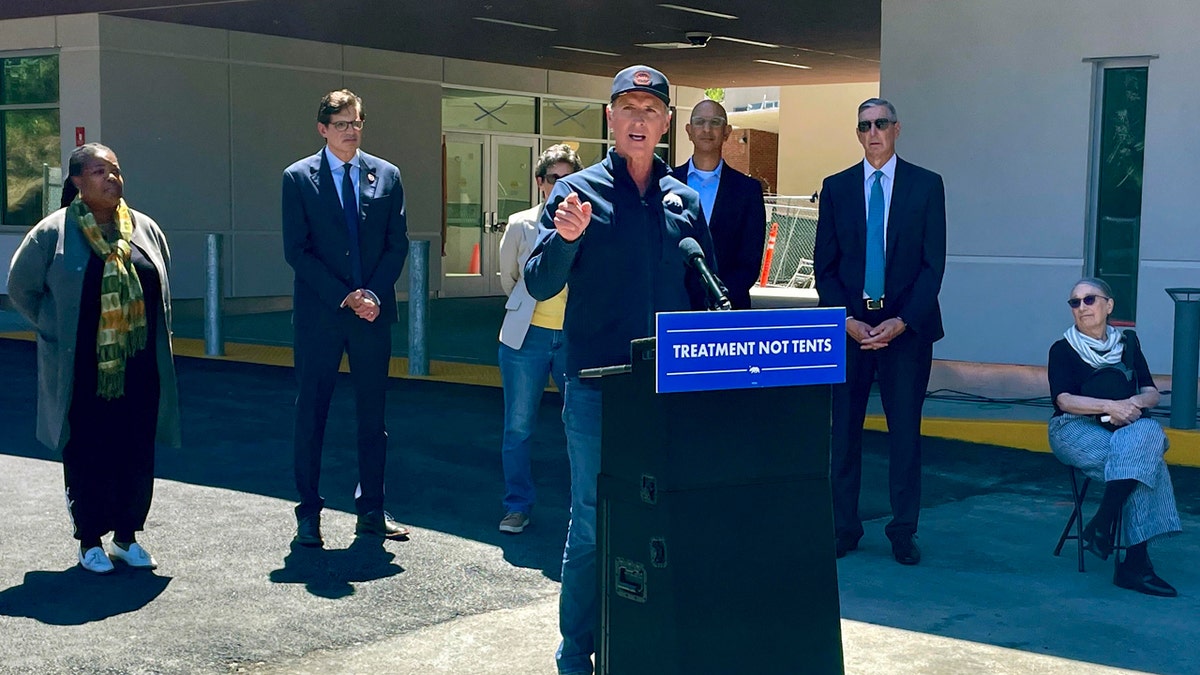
<point x="552" y="178"/>
<point x="1088" y="300"/>
<point x="881" y="124"/>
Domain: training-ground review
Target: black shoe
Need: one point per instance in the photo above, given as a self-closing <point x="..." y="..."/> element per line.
<point x="1143" y="581"/>
<point x="380" y="524"/>
<point x="308" y="531"/>
<point x="843" y="545"/>
<point x="1099" y="542"/>
<point x="905" y="550"/>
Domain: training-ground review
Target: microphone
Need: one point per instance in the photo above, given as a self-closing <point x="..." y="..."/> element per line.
<point x="693" y="255"/>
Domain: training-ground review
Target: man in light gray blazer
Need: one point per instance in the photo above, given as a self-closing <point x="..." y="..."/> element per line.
<point x="531" y="342"/>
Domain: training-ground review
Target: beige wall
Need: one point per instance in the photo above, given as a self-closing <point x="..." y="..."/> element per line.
<point x="1017" y="193"/>
<point x="684" y="100"/>
<point x="816" y="132"/>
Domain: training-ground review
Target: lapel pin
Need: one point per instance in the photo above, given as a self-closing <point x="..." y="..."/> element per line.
<point x="371" y="178"/>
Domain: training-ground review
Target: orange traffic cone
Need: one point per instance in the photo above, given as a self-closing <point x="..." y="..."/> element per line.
<point x="770" y="254"/>
<point x="473" y="265"/>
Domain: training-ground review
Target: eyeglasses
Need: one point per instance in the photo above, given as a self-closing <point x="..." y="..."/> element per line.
<point x="1088" y="300"/>
<point x="342" y="125"/>
<point x="881" y="124"/>
<point x="552" y="178"/>
<point x="710" y="122"/>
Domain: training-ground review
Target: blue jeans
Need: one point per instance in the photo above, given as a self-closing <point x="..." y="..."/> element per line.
<point x="523" y="373"/>
<point x="578" y="614"/>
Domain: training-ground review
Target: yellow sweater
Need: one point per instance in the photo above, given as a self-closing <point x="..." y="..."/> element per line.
<point x="549" y="313"/>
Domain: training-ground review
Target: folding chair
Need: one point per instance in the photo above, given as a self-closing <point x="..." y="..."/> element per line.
<point x="803" y="276"/>
<point x="1078" y="493"/>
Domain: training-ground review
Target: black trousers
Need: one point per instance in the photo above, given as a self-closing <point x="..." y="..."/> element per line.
<point x="108" y="462"/>
<point x="319" y="347"/>
<point x="902" y="369"/>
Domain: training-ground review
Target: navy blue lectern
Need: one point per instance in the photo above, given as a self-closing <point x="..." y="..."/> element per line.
<point x="715" y="538"/>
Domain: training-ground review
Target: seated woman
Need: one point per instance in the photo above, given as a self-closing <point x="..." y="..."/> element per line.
<point x="1100" y="385"/>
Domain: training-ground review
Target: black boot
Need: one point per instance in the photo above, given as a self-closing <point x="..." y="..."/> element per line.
<point x="1136" y="573"/>
<point x="1098" y="533"/>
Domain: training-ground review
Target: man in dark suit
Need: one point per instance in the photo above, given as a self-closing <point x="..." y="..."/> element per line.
<point x="880" y="253"/>
<point x="732" y="202"/>
<point x="344" y="234"/>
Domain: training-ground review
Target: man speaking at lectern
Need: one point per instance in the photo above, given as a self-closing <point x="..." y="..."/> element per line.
<point x="880" y="253"/>
<point x="611" y="232"/>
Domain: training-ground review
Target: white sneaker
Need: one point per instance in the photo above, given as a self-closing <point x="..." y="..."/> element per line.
<point x="135" y="556"/>
<point x="94" y="560"/>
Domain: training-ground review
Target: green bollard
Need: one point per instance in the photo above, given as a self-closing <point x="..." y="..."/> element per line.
<point x="1185" y="357"/>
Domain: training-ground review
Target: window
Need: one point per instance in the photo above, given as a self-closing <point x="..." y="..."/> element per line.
<point x="483" y="111"/>
<point x="573" y="119"/>
<point x="581" y="125"/>
<point x="29" y="134"/>
<point x="1119" y="139"/>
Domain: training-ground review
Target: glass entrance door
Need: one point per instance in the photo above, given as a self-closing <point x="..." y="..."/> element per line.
<point x="487" y="179"/>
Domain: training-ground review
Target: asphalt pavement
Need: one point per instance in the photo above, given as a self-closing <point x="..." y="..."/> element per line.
<point x="459" y="597"/>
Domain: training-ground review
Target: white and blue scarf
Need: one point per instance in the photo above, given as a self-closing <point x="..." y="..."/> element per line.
<point x="1097" y="353"/>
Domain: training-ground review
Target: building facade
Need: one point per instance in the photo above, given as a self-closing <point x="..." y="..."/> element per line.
<point x="205" y="120"/>
<point x="1061" y="130"/>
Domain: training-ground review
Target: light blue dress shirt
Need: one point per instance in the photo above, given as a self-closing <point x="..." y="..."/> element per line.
<point x="706" y="183"/>
<point x="338" y="167"/>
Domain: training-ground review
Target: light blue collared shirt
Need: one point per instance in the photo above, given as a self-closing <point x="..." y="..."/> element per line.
<point x="706" y="183"/>
<point x="338" y="168"/>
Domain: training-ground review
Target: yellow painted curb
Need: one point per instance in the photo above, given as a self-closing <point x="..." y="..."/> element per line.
<point x="1024" y="435"/>
<point x="273" y="355"/>
<point x="1029" y="435"/>
<point x="439" y="371"/>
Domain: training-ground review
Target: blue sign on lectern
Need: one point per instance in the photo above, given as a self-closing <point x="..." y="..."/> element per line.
<point x="702" y="351"/>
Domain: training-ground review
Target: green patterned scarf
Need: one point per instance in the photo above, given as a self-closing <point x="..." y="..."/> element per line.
<point x="122" y="329"/>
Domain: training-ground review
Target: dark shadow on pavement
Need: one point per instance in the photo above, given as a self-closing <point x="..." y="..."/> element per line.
<point x="460" y="329"/>
<point x="444" y="475"/>
<point x="443" y="470"/>
<point x="74" y="596"/>
<point x="331" y="573"/>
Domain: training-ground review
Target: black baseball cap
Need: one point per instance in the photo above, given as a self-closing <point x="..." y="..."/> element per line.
<point x="641" y="78"/>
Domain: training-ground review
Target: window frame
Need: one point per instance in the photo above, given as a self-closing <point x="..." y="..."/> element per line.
<point x="17" y="107"/>
<point x="545" y="139"/>
<point x="1100" y="65"/>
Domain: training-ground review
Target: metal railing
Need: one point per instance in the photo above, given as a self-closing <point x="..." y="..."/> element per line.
<point x="793" y="221"/>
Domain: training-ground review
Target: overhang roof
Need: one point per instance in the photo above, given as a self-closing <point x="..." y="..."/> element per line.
<point x="837" y="39"/>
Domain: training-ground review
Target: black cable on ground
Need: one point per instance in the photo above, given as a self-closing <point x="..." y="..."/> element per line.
<point x="1041" y="402"/>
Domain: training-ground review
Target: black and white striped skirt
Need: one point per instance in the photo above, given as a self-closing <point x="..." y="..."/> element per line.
<point x="1132" y="451"/>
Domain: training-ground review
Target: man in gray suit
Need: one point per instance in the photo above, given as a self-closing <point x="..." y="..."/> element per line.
<point x="531" y="342"/>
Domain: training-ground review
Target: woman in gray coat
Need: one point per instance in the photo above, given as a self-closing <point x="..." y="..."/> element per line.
<point x="92" y="279"/>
